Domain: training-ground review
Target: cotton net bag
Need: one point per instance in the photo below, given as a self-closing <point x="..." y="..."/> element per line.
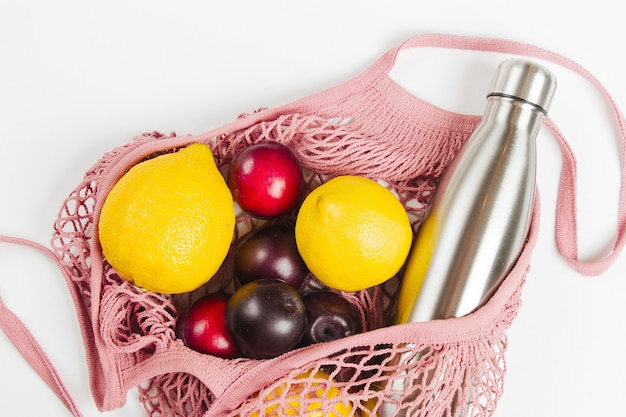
<point x="367" y="126"/>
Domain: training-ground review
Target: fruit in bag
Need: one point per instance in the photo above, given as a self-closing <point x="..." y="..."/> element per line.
<point x="266" y="180"/>
<point x="315" y="386"/>
<point x="168" y="223"/>
<point x="353" y="233"/>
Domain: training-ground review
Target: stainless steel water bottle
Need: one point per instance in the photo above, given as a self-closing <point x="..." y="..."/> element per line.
<point x="479" y="216"/>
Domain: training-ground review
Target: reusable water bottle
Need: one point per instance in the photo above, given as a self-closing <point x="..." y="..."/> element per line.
<point x="479" y="215"/>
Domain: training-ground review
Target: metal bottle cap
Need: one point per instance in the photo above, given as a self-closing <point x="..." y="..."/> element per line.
<point x="524" y="80"/>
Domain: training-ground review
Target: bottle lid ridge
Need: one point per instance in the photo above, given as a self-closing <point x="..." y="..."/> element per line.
<point x="525" y="80"/>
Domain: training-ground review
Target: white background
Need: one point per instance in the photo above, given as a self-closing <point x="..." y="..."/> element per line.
<point x="78" y="79"/>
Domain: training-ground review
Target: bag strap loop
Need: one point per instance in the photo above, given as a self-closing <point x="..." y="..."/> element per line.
<point x="25" y="342"/>
<point x="566" y="222"/>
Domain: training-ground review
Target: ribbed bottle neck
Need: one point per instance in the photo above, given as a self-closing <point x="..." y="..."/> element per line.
<point x="514" y="112"/>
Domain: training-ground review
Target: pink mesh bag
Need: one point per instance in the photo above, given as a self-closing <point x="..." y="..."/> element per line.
<point x="366" y="126"/>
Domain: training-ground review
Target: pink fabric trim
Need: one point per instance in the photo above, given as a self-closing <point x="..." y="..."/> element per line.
<point x="26" y="344"/>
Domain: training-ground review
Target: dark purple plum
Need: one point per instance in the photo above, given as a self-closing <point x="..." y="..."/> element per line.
<point x="329" y="317"/>
<point x="202" y="326"/>
<point x="265" y="318"/>
<point x="270" y="253"/>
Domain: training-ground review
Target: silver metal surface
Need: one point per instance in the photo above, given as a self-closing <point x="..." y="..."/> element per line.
<point x="526" y="81"/>
<point x="479" y="217"/>
<point x="480" y="213"/>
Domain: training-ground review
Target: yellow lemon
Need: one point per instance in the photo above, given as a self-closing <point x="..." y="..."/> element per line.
<point x="316" y="388"/>
<point x="168" y="223"/>
<point x="370" y="407"/>
<point x="353" y="233"/>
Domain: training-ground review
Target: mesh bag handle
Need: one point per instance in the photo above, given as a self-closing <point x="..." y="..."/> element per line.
<point x="109" y="392"/>
<point x="566" y="222"/>
<point x="25" y="342"/>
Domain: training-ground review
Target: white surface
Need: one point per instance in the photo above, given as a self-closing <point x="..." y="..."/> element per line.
<point x="78" y="80"/>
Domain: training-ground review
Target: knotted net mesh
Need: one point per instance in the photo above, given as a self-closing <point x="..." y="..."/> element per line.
<point x="405" y="370"/>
